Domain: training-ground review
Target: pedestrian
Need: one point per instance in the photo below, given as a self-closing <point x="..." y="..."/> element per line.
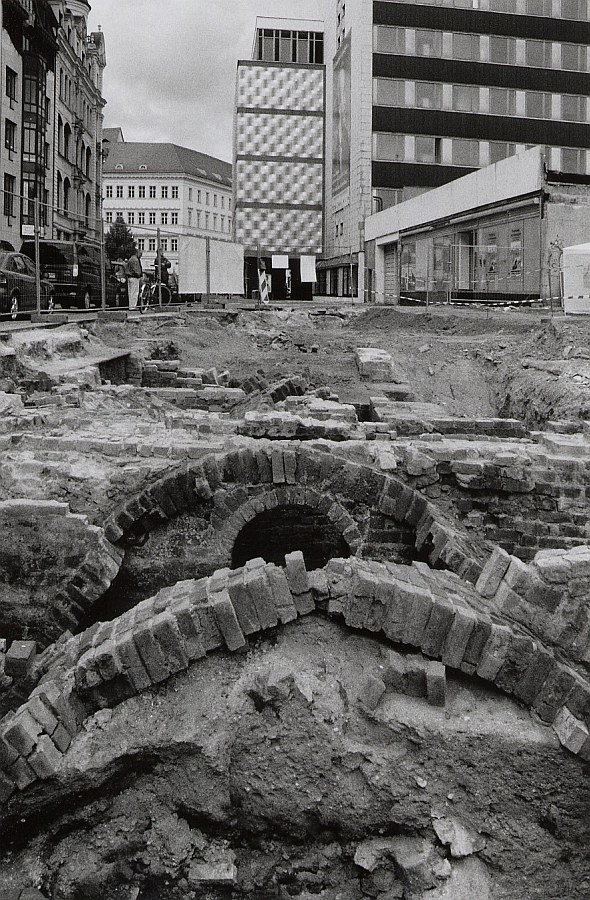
<point x="161" y="266"/>
<point x="133" y="271"/>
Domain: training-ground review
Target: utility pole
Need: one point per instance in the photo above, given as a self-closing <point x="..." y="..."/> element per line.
<point x="37" y="260"/>
<point x="159" y="265"/>
<point x="208" y="266"/>
<point x="103" y="286"/>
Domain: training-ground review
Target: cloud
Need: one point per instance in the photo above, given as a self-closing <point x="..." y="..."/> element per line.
<point x="171" y="67"/>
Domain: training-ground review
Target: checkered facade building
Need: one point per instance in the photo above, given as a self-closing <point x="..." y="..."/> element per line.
<point x="279" y="157"/>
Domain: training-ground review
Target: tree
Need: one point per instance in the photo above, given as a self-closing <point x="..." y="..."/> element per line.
<point x="119" y="241"/>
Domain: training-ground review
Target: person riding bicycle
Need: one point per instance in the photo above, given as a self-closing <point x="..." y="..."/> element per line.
<point x="161" y="266"/>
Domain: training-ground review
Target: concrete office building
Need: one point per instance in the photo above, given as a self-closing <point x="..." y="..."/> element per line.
<point x="180" y="191"/>
<point x="419" y="93"/>
<point x="279" y="155"/>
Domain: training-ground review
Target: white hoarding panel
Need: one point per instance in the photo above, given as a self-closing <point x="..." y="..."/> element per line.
<point x="192" y="266"/>
<point x="227" y="268"/>
<point x="576" y="279"/>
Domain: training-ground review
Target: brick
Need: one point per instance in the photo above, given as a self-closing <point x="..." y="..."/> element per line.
<point x="494" y="652"/>
<point x="165" y="630"/>
<point x="151" y="653"/>
<point x="458" y="636"/>
<point x="7" y="754"/>
<point x="22" y="774"/>
<point x="415" y="677"/>
<point x="61" y="738"/>
<point x="7" y="787"/>
<point x="258" y="586"/>
<point x="131" y="662"/>
<point x="86" y="673"/>
<point x="109" y="665"/>
<point x="290" y="467"/>
<point x="540" y="664"/>
<point x="23" y="732"/>
<point x="572" y="733"/>
<point x="436" y="683"/>
<point x="394" y="670"/>
<point x="371" y="691"/>
<point x="520" y="651"/>
<point x="264" y="464"/>
<point x="189" y="628"/>
<point x="296" y="572"/>
<point x="493" y="572"/>
<point x="419" y="613"/>
<point x="42" y="714"/>
<point x="20" y="659"/>
<point x="227" y="620"/>
<point x="281" y="595"/>
<point x="209" y="629"/>
<point x="46" y="760"/>
<point x="554" y="693"/>
<point x="475" y="645"/>
<point x="438" y="626"/>
<point x="243" y="603"/>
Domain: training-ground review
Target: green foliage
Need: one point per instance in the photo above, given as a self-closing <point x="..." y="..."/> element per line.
<point x="119" y="241"/>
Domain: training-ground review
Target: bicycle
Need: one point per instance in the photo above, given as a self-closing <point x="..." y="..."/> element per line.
<point x="153" y="294"/>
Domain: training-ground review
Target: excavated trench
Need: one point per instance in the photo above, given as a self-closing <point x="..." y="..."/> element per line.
<point x="269" y="773"/>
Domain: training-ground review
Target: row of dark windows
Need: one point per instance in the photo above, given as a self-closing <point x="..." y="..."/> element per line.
<point x="278" y="45"/>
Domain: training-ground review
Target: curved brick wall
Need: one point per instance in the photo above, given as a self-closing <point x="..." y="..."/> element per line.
<point x="415" y="606"/>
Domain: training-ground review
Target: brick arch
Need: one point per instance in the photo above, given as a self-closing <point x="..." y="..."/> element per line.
<point x="229" y="524"/>
<point x="225" y="481"/>
<point x="285" y="467"/>
<point x="414" y="606"/>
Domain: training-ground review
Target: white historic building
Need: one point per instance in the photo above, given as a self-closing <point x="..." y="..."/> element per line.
<point x="178" y="191"/>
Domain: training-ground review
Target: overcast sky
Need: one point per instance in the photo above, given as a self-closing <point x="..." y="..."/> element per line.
<point x="171" y="67"/>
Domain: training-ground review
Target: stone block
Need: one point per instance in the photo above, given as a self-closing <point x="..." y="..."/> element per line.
<point x="572" y="732"/>
<point x="20" y="659"/>
<point x="227" y="620"/>
<point x="371" y="691"/>
<point x="46" y="759"/>
<point x="304" y="603"/>
<point x="61" y="738"/>
<point x="296" y="572"/>
<point x="458" y="636"/>
<point x="493" y="573"/>
<point x="166" y="632"/>
<point x="107" y="661"/>
<point x="436" y="683"/>
<point x="415" y="677"/>
<point x="7" y="754"/>
<point x="278" y="467"/>
<point x="258" y="587"/>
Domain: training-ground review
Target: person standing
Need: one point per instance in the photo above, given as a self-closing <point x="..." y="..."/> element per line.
<point x="133" y="271"/>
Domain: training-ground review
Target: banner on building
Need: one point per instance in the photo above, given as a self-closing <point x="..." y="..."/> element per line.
<point x="341" y="117"/>
<point x="308" y="273"/>
<point x="280" y="261"/>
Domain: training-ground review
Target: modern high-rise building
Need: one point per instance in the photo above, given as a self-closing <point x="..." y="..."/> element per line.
<point x="420" y="92"/>
<point x="279" y="155"/>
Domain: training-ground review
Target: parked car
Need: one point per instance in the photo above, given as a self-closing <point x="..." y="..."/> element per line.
<point x="18" y="291"/>
<point x="73" y="268"/>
